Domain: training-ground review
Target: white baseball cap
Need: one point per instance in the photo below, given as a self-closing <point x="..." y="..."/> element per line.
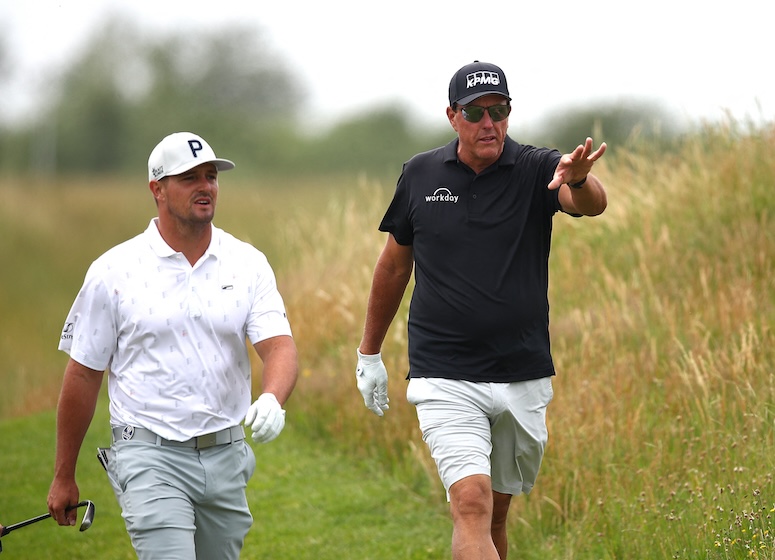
<point x="179" y="152"/>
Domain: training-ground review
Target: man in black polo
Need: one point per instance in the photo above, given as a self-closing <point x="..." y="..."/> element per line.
<point x="474" y="220"/>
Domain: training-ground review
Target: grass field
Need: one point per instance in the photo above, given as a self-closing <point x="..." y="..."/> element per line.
<point x="307" y="502"/>
<point x="661" y="431"/>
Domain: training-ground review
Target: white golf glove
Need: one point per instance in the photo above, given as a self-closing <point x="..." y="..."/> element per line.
<point x="371" y="376"/>
<point x="266" y="418"/>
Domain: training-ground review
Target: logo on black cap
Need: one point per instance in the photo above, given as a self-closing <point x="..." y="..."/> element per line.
<point x="475" y="80"/>
<point x="482" y="78"/>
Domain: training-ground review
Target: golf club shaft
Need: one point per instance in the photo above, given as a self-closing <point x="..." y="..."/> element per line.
<point x="21" y="524"/>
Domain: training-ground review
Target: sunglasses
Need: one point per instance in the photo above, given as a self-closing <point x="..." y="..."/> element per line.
<point x="474" y="113"/>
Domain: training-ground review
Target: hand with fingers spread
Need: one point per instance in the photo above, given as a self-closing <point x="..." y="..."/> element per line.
<point x="371" y="377"/>
<point x="575" y="166"/>
<point x="265" y="418"/>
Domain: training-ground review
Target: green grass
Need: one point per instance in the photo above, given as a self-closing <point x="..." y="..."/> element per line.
<point x="308" y="501"/>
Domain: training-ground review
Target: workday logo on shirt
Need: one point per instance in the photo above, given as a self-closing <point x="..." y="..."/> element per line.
<point x="442" y="194"/>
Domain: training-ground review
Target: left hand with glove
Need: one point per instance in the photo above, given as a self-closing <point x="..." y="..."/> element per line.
<point x="266" y="418"/>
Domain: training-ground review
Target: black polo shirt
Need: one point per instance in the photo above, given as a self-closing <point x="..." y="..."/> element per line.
<point x="480" y="310"/>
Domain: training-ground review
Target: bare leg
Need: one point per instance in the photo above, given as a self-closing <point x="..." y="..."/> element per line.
<point x="500" y="511"/>
<point x="471" y="504"/>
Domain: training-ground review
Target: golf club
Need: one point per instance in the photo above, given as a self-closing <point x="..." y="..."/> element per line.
<point x="88" y="518"/>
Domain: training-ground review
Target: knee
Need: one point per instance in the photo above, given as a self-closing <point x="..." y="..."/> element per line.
<point x="471" y="497"/>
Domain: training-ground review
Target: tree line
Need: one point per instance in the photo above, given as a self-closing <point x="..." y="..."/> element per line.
<point x="111" y="104"/>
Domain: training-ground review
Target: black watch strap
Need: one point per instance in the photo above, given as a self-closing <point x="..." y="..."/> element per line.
<point x="579" y="184"/>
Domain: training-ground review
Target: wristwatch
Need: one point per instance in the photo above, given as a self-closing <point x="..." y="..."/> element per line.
<point x="579" y="184"/>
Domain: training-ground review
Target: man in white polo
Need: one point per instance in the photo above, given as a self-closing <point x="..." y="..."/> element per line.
<point x="167" y="314"/>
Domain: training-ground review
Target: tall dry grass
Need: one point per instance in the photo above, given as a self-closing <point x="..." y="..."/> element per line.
<point x="661" y="431"/>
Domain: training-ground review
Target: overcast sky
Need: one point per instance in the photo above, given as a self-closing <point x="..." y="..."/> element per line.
<point x="700" y="59"/>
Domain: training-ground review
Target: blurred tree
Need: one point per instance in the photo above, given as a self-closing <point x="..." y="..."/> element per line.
<point x="131" y="88"/>
<point x="374" y="138"/>
<point x="619" y="124"/>
<point x="377" y="141"/>
<point x="230" y="87"/>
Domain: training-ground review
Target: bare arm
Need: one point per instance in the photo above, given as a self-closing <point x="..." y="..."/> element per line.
<point x="281" y="366"/>
<point x="590" y="199"/>
<point x="391" y="276"/>
<point x="77" y="402"/>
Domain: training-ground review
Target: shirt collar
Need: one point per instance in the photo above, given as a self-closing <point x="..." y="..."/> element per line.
<point x="507" y="157"/>
<point x="163" y="250"/>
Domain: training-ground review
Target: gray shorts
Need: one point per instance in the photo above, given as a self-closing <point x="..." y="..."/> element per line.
<point x="494" y="429"/>
<point x="181" y="503"/>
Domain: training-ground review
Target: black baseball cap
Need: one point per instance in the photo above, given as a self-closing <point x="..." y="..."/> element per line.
<point x="475" y="80"/>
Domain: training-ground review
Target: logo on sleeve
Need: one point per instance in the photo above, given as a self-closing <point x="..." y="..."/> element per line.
<point x="67" y="332"/>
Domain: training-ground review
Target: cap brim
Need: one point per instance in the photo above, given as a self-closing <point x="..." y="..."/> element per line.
<point x="220" y="165"/>
<point x="467" y="99"/>
<point x="223" y="164"/>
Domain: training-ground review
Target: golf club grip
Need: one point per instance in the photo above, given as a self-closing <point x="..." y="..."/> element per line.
<point x="21" y="524"/>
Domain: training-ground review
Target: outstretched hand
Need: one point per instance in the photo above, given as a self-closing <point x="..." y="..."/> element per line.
<point x="575" y="166"/>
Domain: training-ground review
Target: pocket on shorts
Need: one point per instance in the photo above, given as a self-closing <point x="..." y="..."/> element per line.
<point x="250" y="462"/>
<point x="545" y="391"/>
<point x="549" y="390"/>
<point x="417" y="390"/>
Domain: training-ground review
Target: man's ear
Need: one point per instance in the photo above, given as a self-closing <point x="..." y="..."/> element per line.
<point x="451" y="117"/>
<point x="155" y="188"/>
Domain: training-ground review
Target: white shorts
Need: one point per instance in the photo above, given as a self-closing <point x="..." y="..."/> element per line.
<point x="494" y="429"/>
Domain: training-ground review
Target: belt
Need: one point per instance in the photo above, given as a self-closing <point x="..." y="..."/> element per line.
<point x="224" y="437"/>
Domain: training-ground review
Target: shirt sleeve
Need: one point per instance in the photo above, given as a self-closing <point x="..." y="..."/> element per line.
<point x="89" y="332"/>
<point x="396" y="220"/>
<point x="268" y="317"/>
